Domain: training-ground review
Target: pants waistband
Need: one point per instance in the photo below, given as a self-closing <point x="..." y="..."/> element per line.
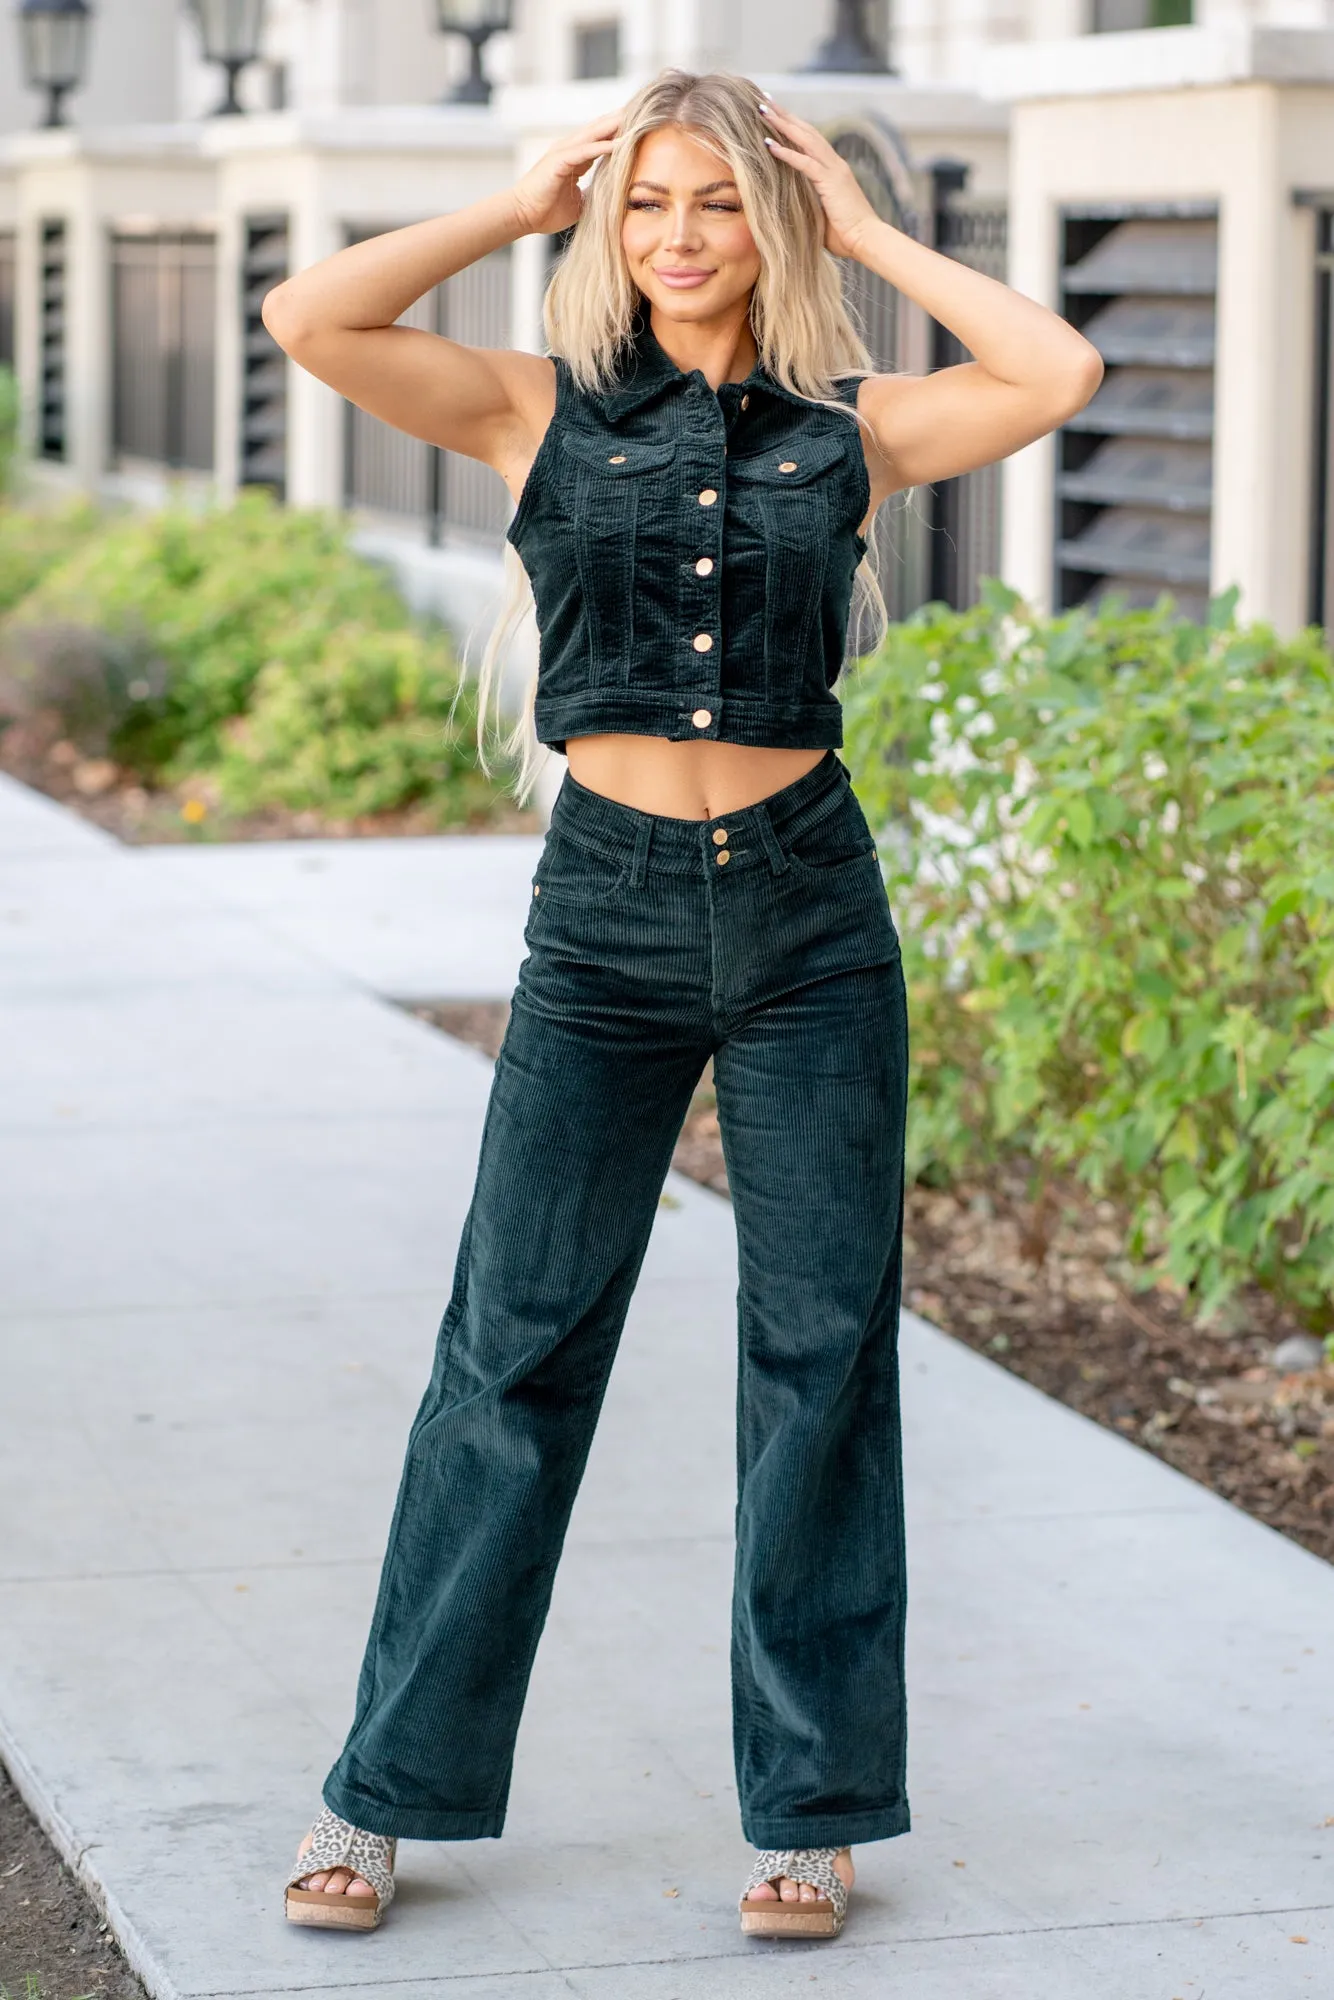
<point x="659" y="842"/>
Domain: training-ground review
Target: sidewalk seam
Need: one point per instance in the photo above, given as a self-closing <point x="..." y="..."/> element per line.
<point x="743" y="1955"/>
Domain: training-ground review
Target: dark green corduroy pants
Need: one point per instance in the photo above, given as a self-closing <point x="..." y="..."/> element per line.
<point x="761" y="938"/>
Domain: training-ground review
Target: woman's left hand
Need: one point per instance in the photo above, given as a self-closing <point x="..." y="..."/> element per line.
<point x="846" y="209"/>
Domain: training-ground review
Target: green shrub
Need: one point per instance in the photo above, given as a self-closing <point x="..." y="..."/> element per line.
<point x="1109" y="840"/>
<point x="203" y="601"/>
<point x="31" y="544"/>
<point x="364" y="728"/>
<point x="251" y="646"/>
<point x="9" y="425"/>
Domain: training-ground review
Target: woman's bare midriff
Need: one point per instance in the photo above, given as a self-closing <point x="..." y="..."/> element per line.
<point x="683" y="780"/>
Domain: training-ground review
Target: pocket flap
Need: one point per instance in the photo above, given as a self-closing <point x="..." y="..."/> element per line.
<point x="793" y="462"/>
<point x="613" y="457"/>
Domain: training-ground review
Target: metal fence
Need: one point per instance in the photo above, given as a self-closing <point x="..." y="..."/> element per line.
<point x="163" y="292"/>
<point x="387" y="472"/>
<point x="933" y="543"/>
<point x="6" y="298"/>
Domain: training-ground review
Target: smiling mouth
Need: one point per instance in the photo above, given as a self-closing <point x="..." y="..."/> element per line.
<point x="685" y="277"/>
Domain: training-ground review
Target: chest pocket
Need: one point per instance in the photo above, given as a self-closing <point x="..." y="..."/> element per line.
<point x="611" y="485"/>
<point x="783" y="499"/>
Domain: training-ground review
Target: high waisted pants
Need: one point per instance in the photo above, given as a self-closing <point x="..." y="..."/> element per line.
<point x="761" y="938"/>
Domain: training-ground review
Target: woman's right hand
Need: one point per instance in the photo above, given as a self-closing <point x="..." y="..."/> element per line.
<point x="547" y="198"/>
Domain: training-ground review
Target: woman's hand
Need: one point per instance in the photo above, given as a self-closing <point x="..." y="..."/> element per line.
<point x="846" y="209"/>
<point x="548" y="197"/>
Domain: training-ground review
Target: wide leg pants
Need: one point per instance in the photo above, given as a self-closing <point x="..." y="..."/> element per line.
<point x="761" y="938"/>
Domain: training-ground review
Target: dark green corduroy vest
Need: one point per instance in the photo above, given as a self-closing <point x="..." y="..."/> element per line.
<point x="691" y="555"/>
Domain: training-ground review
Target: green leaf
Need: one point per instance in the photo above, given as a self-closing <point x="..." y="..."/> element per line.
<point x="1079" y="821"/>
<point x="1228" y="814"/>
<point x="1284" y="906"/>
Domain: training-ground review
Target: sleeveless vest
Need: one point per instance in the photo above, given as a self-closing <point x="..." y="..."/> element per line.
<point x="691" y="556"/>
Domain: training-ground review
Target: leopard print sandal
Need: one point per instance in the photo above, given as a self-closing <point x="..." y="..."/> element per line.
<point x="337" y="1844"/>
<point x="818" y="1919"/>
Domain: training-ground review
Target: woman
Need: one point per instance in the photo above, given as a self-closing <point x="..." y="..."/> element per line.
<point x="696" y="467"/>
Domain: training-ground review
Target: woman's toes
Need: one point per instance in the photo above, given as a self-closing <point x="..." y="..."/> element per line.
<point x="763" y="1893"/>
<point x="356" y="1887"/>
<point x="317" y="1881"/>
<point x="807" y="1893"/>
<point x="788" y="1890"/>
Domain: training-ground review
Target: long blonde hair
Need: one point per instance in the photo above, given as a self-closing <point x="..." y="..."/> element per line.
<point x="798" y="316"/>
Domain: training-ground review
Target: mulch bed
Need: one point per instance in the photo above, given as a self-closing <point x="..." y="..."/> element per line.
<point x="53" y="1943"/>
<point x="98" y="790"/>
<point x="1043" y="1288"/>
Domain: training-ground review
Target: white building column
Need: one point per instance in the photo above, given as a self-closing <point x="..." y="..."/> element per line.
<point x="314" y="411"/>
<point x="1239" y="117"/>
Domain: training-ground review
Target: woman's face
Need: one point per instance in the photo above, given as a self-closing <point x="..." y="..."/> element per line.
<point x="687" y="243"/>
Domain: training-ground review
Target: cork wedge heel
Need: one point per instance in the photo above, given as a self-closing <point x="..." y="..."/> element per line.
<point x="335" y="1843"/>
<point x="821" y="1918"/>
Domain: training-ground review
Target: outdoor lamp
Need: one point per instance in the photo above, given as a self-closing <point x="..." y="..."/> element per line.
<point x="850" y="47"/>
<point x="229" y="31"/>
<point x="54" y="35"/>
<point x="477" y="21"/>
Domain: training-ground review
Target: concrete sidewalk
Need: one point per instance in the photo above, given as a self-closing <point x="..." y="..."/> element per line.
<point x="232" y="1185"/>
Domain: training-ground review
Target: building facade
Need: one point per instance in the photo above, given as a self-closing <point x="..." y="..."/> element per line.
<point x="1167" y="183"/>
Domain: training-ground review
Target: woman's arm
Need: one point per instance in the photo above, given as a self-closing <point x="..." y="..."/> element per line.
<point x="1032" y="370"/>
<point x="337" y="319"/>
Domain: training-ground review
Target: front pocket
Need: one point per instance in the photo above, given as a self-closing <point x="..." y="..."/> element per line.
<point x="569" y="872"/>
<point x="781" y="496"/>
<point x="606" y="480"/>
<point x="837" y="839"/>
<point x="835" y="863"/>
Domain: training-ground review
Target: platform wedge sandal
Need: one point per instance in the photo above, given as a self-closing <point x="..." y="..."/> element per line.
<point x="337" y="1844"/>
<point x="821" y="1918"/>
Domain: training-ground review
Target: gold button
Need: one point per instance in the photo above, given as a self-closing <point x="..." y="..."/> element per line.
<point x="720" y="836"/>
<point x="536" y="889"/>
<point x="707" y="497"/>
<point x="617" y="458"/>
<point x="704" y="567"/>
<point x="702" y="642"/>
<point x="722" y="856"/>
<point x="745" y="402"/>
<point x="701" y="718"/>
<point x="788" y="465"/>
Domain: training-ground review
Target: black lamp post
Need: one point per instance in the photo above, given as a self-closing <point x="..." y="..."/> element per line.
<point x="476" y="21"/>
<point x="849" y="49"/>
<point x="54" y="36"/>
<point x="229" y="31"/>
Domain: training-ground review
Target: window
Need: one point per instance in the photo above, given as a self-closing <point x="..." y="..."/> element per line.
<point x="163" y="288"/>
<point x="597" y="48"/>
<point x="1112" y="17"/>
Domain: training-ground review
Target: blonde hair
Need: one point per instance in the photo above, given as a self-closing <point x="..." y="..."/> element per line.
<point x="801" y="324"/>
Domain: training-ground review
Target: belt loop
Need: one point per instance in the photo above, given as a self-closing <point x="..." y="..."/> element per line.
<point x="643" y="840"/>
<point x="769" y="839"/>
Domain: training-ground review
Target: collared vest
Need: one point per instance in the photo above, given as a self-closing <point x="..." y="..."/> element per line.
<point x="691" y="555"/>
